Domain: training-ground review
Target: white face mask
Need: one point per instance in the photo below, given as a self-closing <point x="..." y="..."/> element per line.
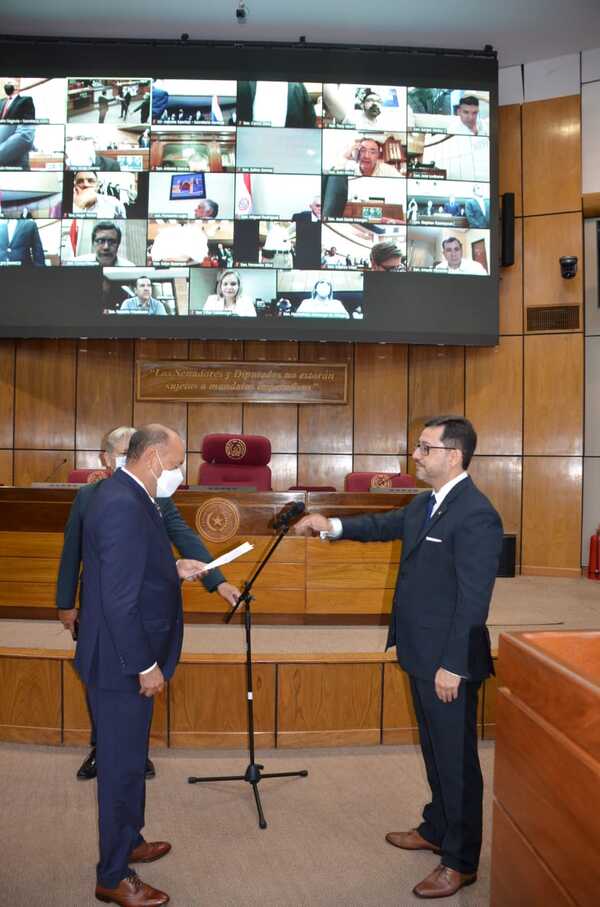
<point x="168" y="481"/>
<point x="120" y="461"/>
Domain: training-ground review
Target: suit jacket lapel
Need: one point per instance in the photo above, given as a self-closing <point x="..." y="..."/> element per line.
<point x="425" y="528"/>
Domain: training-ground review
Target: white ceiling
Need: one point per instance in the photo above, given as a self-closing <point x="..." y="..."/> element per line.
<point x="520" y="30"/>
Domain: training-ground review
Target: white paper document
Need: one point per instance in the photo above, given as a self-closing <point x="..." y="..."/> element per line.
<point x="230" y="555"/>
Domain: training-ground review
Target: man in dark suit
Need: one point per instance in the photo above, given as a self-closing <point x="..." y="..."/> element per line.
<point x="189" y="545"/>
<point x="16" y="106"/>
<point x="130" y="636"/>
<point x="451" y="542"/>
<point x="477" y="209"/>
<point x="294" y="109"/>
<point x="20" y="241"/>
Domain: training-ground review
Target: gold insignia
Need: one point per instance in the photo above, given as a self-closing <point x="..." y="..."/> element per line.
<point x="381" y="481"/>
<point x="217" y="520"/>
<point x="235" y="449"/>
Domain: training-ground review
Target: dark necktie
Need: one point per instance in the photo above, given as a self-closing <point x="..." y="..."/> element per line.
<point x="430" y="506"/>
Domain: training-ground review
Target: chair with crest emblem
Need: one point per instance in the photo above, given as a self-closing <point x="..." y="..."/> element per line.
<point x="238" y="460"/>
<point x="87" y="476"/>
<point x="364" y="481"/>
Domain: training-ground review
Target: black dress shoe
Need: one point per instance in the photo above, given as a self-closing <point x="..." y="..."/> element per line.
<point x="88" y="767"/>
<point x="149" y="771"/>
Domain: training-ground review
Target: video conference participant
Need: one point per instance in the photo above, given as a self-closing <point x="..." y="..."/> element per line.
<point x="452" y="540"/>
<point x="229" y="298"/>
<point x="364" y="111"/>
<point x="452" y="251"/>
<point x="16" y="106"/>
<point x="467" y="120"/>
<point x="106" y="239"/>
<point x="16" y="141"/>
<point x="20" y="241"/>
<point x="206" y="207"/>
<point x="386" y="256"/>
<point x="112" y="457"/>
<point x="477" y="209"/>
<point x="275" y="103"/>
<point x="313" y="215"/>
<point x="322" y="302"/>
<point x="143" y="302"/>
<point x="364" y="157"/>
<point x="87" y="199"/>
<point x="186" y="243"/>
<point x="81" y="152"/>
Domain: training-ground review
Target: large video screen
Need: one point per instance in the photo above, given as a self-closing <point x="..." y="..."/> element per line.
<point x="239" y="208"/>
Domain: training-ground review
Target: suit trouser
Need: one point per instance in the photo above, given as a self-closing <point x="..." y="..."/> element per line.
<point x="448" y="731"/>
<point x="122" y="722"/>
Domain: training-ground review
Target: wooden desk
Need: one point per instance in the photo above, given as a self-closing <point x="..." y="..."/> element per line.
<point x="307" y="581"/>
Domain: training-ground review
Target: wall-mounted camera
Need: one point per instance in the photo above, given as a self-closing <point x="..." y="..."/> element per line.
<point x="241" y="13"/>
<point x="568" y="266"/>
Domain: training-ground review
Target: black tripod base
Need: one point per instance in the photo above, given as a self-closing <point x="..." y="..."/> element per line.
<point x="253" y="776"/>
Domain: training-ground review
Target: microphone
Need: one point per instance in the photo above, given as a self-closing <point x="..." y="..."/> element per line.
<point x="289" y="513"/>
<point x="55" y="470"/>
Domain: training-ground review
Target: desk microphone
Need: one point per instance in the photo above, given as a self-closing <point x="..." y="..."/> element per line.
<point x="55" y="470"/>
<point x="289" y="513"/>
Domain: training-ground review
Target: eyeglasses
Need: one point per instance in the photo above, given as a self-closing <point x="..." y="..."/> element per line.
<point x="424" y="448"/>
<point x="105" y="241"/>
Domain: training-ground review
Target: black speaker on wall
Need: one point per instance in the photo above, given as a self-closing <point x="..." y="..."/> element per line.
<point x="507" y="220"/>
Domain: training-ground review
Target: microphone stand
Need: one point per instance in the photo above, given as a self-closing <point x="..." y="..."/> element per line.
<point x="254" y="773"/>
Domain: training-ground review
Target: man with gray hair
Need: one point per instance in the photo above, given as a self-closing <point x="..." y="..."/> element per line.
<point x="113" y="456"/>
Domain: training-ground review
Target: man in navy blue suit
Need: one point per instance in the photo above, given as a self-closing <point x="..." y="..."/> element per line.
<point x="451" y="543"/>
<point x="20" y="242"/>
<point x="130" y="636"/>
<point x="113" y="456"/>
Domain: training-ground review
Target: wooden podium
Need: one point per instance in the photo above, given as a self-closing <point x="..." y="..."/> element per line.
<point x="546" y="836"/>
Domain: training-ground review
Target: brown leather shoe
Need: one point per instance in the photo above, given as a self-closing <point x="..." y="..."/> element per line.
<point x="410" y="840"/>
<point x="132" y="892"/>
<point x="443" y="882"/>
<point x="149" y="851"/>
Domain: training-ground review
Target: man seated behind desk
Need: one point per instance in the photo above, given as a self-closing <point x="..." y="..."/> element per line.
<point x="106" y="240"/>
<point x="189" y="545"/>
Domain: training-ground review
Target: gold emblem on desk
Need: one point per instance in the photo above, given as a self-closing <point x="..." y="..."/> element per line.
<point x="235" y="449"/>
<point x="381" y="481"/>
<point x="217" y="520"/>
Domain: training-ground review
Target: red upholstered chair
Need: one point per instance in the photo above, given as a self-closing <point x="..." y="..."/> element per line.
<point x="364" y="481"/>
<point x="86" y="476"/>
<point x="236" y="460"/>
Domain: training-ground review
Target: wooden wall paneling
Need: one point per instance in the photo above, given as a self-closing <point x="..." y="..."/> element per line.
<point x="208" y="706"/>
<point x="326" y="429"/>
<point x="545" y="239"/>
<point x="537" y="794"/>
<point x="279" y="590"/>
<point x="551" y="543"/>
<point x="399" y="720"/>
<point x="284" y="471"/>
<point x="277" y="421"/>
<point x="6" y="467"/>
<point x="490" y="698"/>
<point x="511" y="288"/>
<point x="552" y="156"/>
<point x="529" y="881"/>
<point x="45" y="394"/>
<point x="324" y="469"/>
<point x="7" y="392"/>
<point x="173" y="415"/>
<point x="31" y="544"/>
<point x="380" y="398"/>
<point x="271" y="350"/>
<point x="436" y="386"/>
<point x="161" y="349"/>
<point x="217" y="350"/>
<point x="104" y="390"/>
<point x="31" y="700"/>
<point x="509" y="153"/>
<point x="211" y="418"/>
<point x="329" y="704"/>
<point x="28" y="595"/>
<point x="88" y="459"/>
<point x="42" y="466"/>
<point x="500" y="479"/>
<point x="494" y="395"/>
<point x="374" y="463"/>
<point x="553" y="400"/>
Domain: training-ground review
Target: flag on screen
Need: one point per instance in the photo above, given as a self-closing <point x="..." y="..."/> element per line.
<point x="243" y="202"/>
<point x="73" y="235"/>
<point x="216" y="114"/>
